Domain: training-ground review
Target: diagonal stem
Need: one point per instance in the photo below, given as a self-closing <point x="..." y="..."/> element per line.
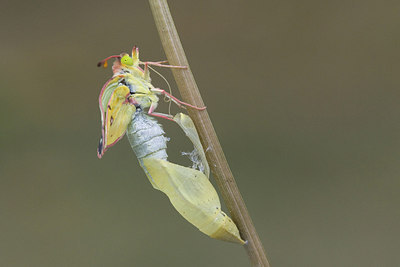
<point x="215" y="156"/>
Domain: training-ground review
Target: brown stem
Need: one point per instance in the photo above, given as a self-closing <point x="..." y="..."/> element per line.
<point x="215" y="156"/>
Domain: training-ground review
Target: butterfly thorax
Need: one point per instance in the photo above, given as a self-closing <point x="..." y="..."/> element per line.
<point x="140" y="90"/>
<point x="120" y="69"/>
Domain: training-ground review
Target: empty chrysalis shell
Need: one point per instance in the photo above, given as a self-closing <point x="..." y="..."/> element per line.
<point x="190" y="190"/>
<point x="187" y="125"/>
<point x="194" y="197"/>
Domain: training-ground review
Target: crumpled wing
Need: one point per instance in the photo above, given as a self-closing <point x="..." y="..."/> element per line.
<point x="117" y="115"/>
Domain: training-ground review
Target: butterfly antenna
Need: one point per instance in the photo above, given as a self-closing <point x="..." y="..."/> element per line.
<point x="104" y="61"/>
<point x="169" y="88"/>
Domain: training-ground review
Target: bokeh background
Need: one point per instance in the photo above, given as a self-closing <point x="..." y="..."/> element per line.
<point x="304" y="96"/>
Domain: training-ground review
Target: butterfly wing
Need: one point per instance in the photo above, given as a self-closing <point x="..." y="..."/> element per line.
<point x="117" y="112"/>
<point x="118" y="115"/>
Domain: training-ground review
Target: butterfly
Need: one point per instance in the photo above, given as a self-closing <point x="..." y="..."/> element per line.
<point x="128" y="89"/>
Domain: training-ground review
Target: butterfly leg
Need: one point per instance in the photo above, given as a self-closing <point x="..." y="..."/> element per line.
<point x="146" y="72"/>
<point x="160" y="115"/>
<point x="174" y="99"/>
<point x="160" y="64"/>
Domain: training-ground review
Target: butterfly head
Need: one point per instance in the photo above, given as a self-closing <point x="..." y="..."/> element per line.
<point x="123" y="63"/>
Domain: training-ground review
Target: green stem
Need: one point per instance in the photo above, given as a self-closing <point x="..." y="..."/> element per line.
<point x="215" y="156"/>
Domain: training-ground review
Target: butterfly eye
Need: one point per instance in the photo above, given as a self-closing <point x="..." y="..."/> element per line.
<point x="127" y="60"/>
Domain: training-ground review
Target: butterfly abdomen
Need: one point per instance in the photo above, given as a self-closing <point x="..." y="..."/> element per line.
<point x="146" y="137"/>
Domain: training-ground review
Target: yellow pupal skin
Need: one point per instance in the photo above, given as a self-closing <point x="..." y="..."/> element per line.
<point x="187" y="125"/>
<point x="194" y="197"/>
<point x="224" y="229"/>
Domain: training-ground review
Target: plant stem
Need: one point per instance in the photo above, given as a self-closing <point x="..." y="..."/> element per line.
<point x="215" y="156"/>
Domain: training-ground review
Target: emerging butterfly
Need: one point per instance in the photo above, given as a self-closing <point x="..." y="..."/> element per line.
<point x="128" y="89"/>
<point x="127" y="102"/>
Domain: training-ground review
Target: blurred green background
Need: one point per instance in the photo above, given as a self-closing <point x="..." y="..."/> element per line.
<point x="304" y="96"/>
